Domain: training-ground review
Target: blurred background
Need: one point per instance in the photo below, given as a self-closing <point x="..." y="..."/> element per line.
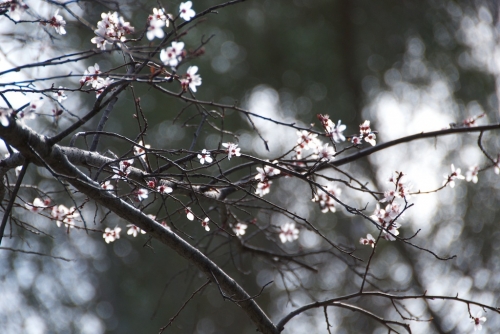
<point x="407" y="66"/>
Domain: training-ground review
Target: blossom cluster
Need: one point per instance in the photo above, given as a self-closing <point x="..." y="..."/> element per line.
<point x="112" y="28"/>
<point x="332" y="131"/>
<point x="470" y="176"/>
<point x="325" y="198"/>
<point x="263" y="176"/>
<point x="366" y="133"/>
<point x="156" y="22"/>
<point x="369" y="240"/>
<point x="60" y="213"/>
<point x="323" y="151"/>
<point x="455" y="174"/>
<point x="92" y="77"/>
<point x="310" y="141"/>
<point x="172" y="55"/>
<point x="123" y="169"/>
<point x="386" y="217"/>
<point x="387" y="220"/>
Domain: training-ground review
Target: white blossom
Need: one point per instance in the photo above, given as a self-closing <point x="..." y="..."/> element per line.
<point x="185" y="11"/>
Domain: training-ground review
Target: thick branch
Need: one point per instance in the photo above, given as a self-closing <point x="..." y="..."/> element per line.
<point x="35" y="147"/>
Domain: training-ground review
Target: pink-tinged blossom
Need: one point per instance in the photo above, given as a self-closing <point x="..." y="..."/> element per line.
<point x="392" y="231"/>
<point x="101" y="85"/>
<point x="111" y="235"/>
<point x="389" y="196"/>
<point x="172" y="54"/>
<point x="204" y="156"/>
<point x="263" y="188"/>
<point x="69" y="219"/>
<point x="141" y="194"/>
<point x="405" y="190"/>
<point x="288" y="232"/>
<point x="455" y="174"/>
<point x="164" y="189"/>
<point x="308" y="140"/>
<point x="112" y="28"/>
<point x="369" y="240"/>
<point x="107" y="185"/>
<point x="326" y="153"/>
<point x="185" y="11"/>
<point x="36" y="104"/>
<point x="189" y="213"/>
<point x="155" y="29"/>
<point x="370" y="138"/>
<point x="99" y="41"/>
<point x="478" y="320"/>
<point x="91" y="76"/>
<point x="59" y="95"/>
<point x="123" y="170"/>
<point x="336" y="131"/>
<point x="267" y="172"/>
<point x="191" y="80"/>
<point x="134" y="230"/>
<point x="385" y="218"/>
<point x="298" y="154"/>
<point x="325" y="121"/>
<point x="263" y="175"/>
<point x="403" y="187"/>
<point x="204" y="223"/>
<point x="324" y="199"/>
<point x="471" y="121"/>
<point x="232" y="150"/>
<point x="164" y="224"/>
<point x="16" y="9"/>
<point x="58" y="23"/>
<point x="364" y="129"/>
<point x="394" y="176"/>
<point x="58" y="213"/>
<point x="140" y="151"/>
<point x="240" y="229"/>
<point x="38" y="205"/>
<point x="159" y="15"/>
<point x="471" y="174"/>
<point x="26" y="113"/>
<point x="356" y="141"/>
